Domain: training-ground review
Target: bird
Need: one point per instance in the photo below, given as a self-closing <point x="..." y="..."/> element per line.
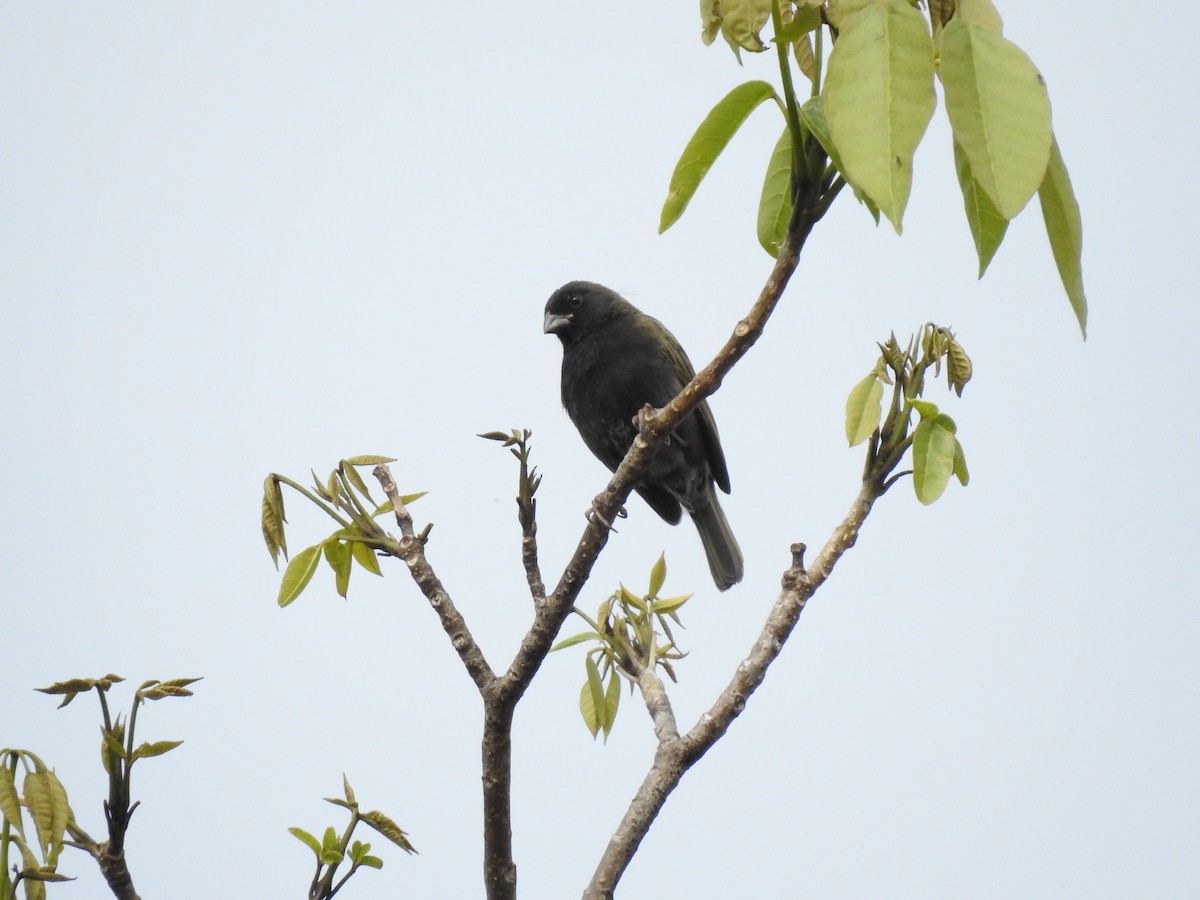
<point x="616" y="359"/>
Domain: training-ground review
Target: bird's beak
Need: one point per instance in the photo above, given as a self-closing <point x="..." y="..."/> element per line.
<point x="553" y="324"/>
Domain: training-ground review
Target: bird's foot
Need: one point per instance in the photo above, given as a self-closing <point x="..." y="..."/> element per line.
<point x="593" y="514"/>
<point x="646" y="412"/>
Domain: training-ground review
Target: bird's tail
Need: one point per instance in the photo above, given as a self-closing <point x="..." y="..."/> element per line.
<point x="720" y="546"/>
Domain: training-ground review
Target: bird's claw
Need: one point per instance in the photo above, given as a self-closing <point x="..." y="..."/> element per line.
<point x="593" y="514"/>
<point x="646" y="412"/>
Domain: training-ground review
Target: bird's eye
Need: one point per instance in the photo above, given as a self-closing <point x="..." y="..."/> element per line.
<point x="576" y="301"/>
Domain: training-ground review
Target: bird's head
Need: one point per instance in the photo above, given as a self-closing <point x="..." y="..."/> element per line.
<point x="578" y="308"/>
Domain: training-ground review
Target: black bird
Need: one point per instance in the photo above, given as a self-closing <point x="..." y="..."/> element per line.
<point x="616" y="359"/>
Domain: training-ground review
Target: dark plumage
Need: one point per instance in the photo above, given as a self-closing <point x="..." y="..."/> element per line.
<point x="617" y="359"/>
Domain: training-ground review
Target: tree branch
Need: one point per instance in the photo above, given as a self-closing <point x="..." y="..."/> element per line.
<point x="675" y="756"/>
<point x="411" y="549"/>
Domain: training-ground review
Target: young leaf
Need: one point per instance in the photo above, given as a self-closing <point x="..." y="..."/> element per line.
<point x="298" y="574"/>
<point x="863" y="409"/>
<point x="958" y="366"/>
<point x="365" y="556"/>
<point x="355" y="479"/>
<point x="587" y="708"/>
<point x="658" y="574"/>
<point x="576" y="639"/>
<point x="46" y="801"/>
<point x="10" y="800"/>
<point x="806" y="60"/>
<point x="986" y="224"/>
<point x="273" y="519"/>
<point x="158" y="748"/>
<point x="389" y="830"/>
<point x="960" y="464"/>
<point x="337" y="554"/>
<point x="612" y="701"/>
<point x="775" y="204"/>
<point x="879" y="99"/>
<point x="668" y="605"/>
<point x="706" y="145"/>
<point x="739" y="22"/>
<point x="926" y="409"/>
<point x="933" y="459"/>
<point x="595" y="687"/>
<point x="1064" y="226"/>
<point x="940" y="12"/>
<point x="368" y="460"/>
<point x="999" y="112"/>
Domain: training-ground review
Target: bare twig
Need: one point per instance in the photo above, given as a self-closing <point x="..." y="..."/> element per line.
<point x="411" y="549"/>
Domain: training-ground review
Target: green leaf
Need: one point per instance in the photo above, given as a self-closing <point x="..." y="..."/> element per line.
<point x="804" y="20"/>
<point x="933" y="459"/>
<point x="612" y="701"/>
<point x="337" y="554"/>
<point x="298" y="574"/>
<point x="631" y="600"/>
<point x="958" y="366"/>
<point x="10" y="800"/>
<point x="576" y="639"/>
<point x="158" y="748"/>
<point x="1064" y="226"/>
<point x="388" y="829"/>
<point x="273" y="519"/>
<point x="775" y="204"/>
<point x="331" y="851"/>
<point x="46" y="800"/>
<point x="365" y="556"/>
<point x="960" y="464"/>
<point x="999" y="112"/>
<point x="668" y="605"/>
<point x="658" y="574"/>
<point x="863" y="409"/>
<point x="706" y="145"/>
<point x="879" y="100"/>
<point x="386" y="505"/>
<point x="591" y="701"/>
<point x="986" y="223"/>
<point x="926" y="409"/>
<point x="368" y="460"/>
<point x="311" y="842"/>
<point x="355" y="479"/>
<point x="373" y="862"/>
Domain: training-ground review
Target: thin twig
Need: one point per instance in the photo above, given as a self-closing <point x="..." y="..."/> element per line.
<point x="411" y="549"/>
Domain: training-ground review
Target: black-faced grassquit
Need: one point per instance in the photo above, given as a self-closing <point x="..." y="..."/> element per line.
<point x="616" y="359"/>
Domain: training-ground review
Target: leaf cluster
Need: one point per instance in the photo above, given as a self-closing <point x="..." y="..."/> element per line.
<point x="871" y="100"/>
<point x="937" y="452"/>
<point x="345" y="498"/>
<point x="629" y="632"/>
<point x="43" y="797"/>
<point x="332" y="850"/>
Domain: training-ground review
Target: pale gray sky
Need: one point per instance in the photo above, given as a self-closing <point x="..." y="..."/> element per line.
<point x="240" y="238"/>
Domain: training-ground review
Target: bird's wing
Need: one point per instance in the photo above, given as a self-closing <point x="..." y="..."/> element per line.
<point x="708" y="425"/>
